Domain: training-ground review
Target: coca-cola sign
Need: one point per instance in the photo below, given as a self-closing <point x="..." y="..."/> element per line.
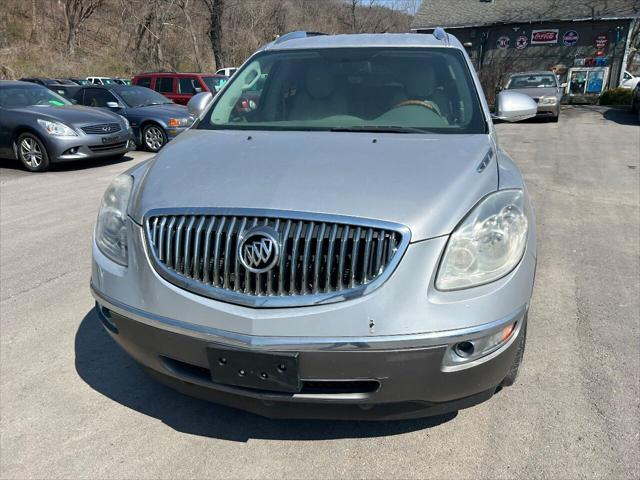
<point x="547" y="36"/>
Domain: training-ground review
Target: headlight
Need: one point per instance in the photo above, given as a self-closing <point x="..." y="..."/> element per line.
<point x="111" y="227"/>
<point x="180" y="122"/>
<point x="126" y="122"/>
<point x="57" y="129"/>
<point x="488" y="244"/>
<point x="548" y="100"/>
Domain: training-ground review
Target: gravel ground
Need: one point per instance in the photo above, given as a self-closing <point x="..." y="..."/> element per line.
<point x="73" y="405"/>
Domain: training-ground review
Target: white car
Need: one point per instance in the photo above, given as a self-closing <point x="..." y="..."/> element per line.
<point x="629" y="81"/>
<point x="227" y="71"/>
<point x="102" y="80"/>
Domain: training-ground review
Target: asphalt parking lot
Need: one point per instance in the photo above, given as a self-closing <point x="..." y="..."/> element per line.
<point x="73" y="405"/>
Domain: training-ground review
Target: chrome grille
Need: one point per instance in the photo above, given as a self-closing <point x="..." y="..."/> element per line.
<point x="322" y="259"/>
<point x="102" y="129"/>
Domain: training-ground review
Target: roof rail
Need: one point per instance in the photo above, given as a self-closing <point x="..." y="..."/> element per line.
<point x="294" y="35"/>
<point x="441" y="35"/>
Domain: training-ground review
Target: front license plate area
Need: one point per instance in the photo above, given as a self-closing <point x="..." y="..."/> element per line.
<point x="110" y="140"/>
<point x="276" y="372"/>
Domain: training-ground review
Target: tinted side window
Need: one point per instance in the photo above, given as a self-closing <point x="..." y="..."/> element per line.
<point x="187" y="86"/>
<point x="144" y="82"/>
<point x="164" y="84"/>
<point x="97" y="97"/>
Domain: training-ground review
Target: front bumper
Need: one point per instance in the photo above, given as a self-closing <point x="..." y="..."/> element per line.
<point x="88" y="146"/>
<point x="376" y="378"/>
<point x="394" y="338"/>
<point x="548" y="110"/>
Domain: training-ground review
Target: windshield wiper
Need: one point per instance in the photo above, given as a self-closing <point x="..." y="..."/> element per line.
<point x="378" y="129"/>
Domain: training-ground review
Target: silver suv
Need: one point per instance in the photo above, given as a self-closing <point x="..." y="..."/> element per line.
<point x="339" y="235"/>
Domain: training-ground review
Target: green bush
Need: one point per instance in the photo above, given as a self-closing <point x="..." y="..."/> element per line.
<point x="617" y="96"/>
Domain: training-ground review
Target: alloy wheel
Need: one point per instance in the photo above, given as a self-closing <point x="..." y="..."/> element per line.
<point x="31" y="152"/>
<point x="153" y="138"/>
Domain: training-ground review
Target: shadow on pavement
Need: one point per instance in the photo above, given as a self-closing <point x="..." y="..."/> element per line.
<point x="11" y="164"/>
<point x="105" y="367"/>
<point x="622" y="115"/>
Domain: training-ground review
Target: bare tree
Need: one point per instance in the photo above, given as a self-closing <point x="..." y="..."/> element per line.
<point x="75" y="13"/>
<point x="215" y="8"/>
<point x="183" y="5"/>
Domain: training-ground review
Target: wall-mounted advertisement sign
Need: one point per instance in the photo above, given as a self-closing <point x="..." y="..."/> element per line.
<point x="600" y="41"/>
<point x="522" y="42"/>
<point x="570" y="38"/>
<point x="543" y="37"/>
<point x="503" y="42"/>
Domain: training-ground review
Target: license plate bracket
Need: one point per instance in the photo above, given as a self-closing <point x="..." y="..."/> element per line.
<point x="110" y="140"/>
<point x="239" y="367"/>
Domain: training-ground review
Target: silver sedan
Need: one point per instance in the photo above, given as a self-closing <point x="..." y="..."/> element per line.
<point x="39" y="127"/>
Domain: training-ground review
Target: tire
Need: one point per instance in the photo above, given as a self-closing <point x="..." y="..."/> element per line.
<point x="511" y="377"/>
<point x="153" y="137"/>
<point x="32" y="153"/>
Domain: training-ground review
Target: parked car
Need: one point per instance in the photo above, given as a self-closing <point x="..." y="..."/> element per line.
<point x="80" y="81"/>
<point x="227" y="72"/>
<point x="635" y="101"/>
<point x="357" y="246"/>
<point x="629" y="80"/>
<point x="68" y="91"/>
<point x="39" y="127"/>
<point x="102" y="81"/>
<point x="543" y="87"/>
<point x="65" y="81"/>
<point x="154" y="119"/>
<point x="123" y="81"/>
<point x="45" y="82"/>
<point x="180" y="87"/>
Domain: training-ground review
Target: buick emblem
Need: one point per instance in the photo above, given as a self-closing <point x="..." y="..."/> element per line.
<point x="259" y="249"/>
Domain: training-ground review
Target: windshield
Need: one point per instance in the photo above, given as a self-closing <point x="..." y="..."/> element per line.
<point x="140" y="96"/>
<point x="19" y="96"/>
<point x="532" y="81"/>
<point x="214" y="84"/>
<point x="403" y="90"/>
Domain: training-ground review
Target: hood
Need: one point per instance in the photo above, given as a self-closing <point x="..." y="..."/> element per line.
<point x="73" y="115"/>
<point x="426" y="182"/>
<point x="537" y="92"/>
<point x="164" y="111"/>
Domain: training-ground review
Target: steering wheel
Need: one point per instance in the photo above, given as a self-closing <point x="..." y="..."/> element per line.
<point x="421" y="103"/>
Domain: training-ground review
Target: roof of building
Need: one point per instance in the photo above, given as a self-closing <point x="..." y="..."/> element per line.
<point x="468" y="13"/>
<point x="360" y="40"/>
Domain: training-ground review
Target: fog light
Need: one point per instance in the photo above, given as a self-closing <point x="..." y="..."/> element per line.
<point x="473" y="349"/>
<point x="464" y="349"/>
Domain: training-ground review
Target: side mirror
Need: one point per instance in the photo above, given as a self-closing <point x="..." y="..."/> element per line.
<point x="113" y="105"/>
<point x="514" y="106"/>
<point x="563" y="85"/>
<point x="197" y="89"/>
<point x="199" y="103"/>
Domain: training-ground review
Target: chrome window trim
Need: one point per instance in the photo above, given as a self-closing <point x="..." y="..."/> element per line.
<point x="266" y="301"/>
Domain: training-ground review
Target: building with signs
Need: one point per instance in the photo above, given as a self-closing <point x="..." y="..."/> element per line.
<point x="578" y="39"/>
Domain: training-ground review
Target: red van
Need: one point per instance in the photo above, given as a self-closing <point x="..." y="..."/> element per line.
<point x="180" y="87"/>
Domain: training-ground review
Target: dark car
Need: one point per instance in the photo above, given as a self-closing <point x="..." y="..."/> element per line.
<point x="154" y="119"/>
<point x="79" y="81"/>
<point x="38" y="127"/>
<point x="40" y="81"/>
<point x="180" y="87"/>
<point x="635" y="101"/>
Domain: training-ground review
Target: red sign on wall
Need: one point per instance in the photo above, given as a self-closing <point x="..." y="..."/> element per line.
<point x="544" y="36"/>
